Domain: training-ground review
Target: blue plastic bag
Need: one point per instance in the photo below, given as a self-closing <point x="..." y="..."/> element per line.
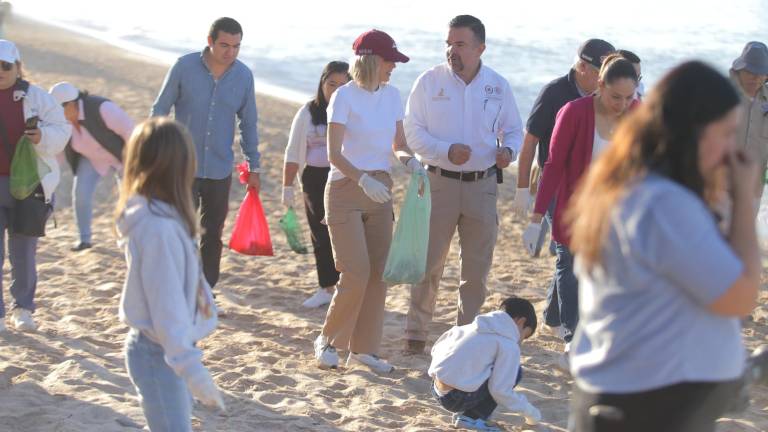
<point x="407" y="259"/>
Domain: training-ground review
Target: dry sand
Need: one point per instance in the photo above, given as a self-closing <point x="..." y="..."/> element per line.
<point x="70" y="374"/>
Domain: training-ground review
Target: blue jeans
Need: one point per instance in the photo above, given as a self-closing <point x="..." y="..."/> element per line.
<point x="478" y="404"/>
<point x="563" y="295"/>
<point x="83" y="187"/>
<point x="21" y="252"/>
<point x="165" y="399"/>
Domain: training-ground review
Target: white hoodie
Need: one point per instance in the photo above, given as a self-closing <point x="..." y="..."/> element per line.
<point x="160" y="295"/>
<point x="486" y="350"/>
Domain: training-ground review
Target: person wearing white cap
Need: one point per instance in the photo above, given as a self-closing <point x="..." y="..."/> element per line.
<point x="749" y="74"/>
<point x="25" y="109"/>
<point x="100" y="129"/>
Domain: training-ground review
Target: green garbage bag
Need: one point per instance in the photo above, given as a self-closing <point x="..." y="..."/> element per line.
<point x="290" y="225"/>
<point x="407" y="259"/>
<point x="24" y="176"/>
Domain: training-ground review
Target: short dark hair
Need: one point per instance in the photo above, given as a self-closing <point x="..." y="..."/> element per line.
<point x="318" y="105"/>
<point x="629" y="55"/>
<point x="225" y="24"/>
<point x="471" y="23"/>
<point x="518" y="307"/>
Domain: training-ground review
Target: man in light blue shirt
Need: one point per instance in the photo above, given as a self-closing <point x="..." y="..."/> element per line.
<point x="208" y="90"/>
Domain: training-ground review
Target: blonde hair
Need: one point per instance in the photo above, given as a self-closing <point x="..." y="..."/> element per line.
<point x="365" y="71"/>
<point x="159" y="161"/>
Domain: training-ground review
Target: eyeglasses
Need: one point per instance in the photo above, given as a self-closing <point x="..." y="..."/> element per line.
<point x="639" y="77"/>
<point x="6" y="66"/>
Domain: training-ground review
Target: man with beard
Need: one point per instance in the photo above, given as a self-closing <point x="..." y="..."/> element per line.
<point x="462" y="122"/>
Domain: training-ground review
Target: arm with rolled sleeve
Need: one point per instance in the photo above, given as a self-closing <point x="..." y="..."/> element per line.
<point x="510" y="123"/>
<point x="416" y="129"/>
<point x="169" y="92"/>
<point x="160" y="255"/>
<point x="249" y="134"/>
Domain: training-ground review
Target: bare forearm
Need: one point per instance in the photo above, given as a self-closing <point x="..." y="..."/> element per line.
<point x="526" y="160"/>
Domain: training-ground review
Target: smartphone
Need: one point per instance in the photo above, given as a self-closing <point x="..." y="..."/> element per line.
<point x="31" y="123"/>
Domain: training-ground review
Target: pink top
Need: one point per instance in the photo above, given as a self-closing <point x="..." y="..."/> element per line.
<point x="84" y="143"/>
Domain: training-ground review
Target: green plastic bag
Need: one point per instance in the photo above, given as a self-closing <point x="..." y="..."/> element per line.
<point x="290" y="225"/>
<point x="24" y="176"/>
<point x="407" y="260"/>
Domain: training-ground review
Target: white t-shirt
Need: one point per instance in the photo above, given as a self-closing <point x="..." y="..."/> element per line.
<point x="598" y="145"/>
<point x="370" y="119"/>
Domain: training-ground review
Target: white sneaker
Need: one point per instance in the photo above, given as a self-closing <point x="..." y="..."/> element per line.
<point x="371" y="360"/>
<point x="22" y="320"/>
<point x="325" y="354"/>
<point x="320" y="298"/>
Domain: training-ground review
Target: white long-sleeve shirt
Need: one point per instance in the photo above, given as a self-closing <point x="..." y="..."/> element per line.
<point x="466" y="356"/>
<point x="443" y="110"/>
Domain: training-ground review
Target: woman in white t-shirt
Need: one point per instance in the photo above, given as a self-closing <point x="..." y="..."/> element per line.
<point x="306" y="155"/>
<point x="365" y="125"/>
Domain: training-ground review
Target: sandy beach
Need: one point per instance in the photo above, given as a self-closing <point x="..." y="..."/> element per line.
<point x="70" y="374"/>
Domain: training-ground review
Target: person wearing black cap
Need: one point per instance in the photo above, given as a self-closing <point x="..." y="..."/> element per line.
<point x="365" y="126"/>
<point x="462" y="121"/>
<point x="580" y="81"/>
<point x="749" y="73"/>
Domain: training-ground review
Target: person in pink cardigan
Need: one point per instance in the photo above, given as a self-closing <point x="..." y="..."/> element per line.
<point x="583" y="129"/>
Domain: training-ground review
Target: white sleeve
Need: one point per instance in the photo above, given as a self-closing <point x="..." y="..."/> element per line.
<point x="55" y="130"/>
<point x="510" y="123"/>
<point x="297" y="136"/>
<point x="416" y="132"/>
<point x="503" y="377"/>
<point x="338" y="107"/>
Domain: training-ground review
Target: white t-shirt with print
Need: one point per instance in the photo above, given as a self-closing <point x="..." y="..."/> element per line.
<point x="370" y="119"/>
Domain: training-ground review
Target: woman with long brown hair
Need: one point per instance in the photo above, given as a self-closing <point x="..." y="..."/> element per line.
<point x="658" y="347"/>
<point x="583" y="129"/>
<point x="166" y="301"/>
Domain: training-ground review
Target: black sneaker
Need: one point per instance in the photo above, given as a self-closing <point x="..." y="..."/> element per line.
<point x="81" y="246"/>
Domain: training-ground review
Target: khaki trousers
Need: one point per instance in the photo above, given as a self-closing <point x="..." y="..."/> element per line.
<point x="469" y="207"/>
<point x="361" y="232"/>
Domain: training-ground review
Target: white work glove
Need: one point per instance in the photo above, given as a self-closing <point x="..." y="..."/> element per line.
<point x="375" y="189"/>
<point x="522" y="202"/>
<point x="415" y="167"/>
<point x="531" y="237"/>
<point x="532" y="415"/>
<point x="288" y="196"/>
<point x="204" y="389"/>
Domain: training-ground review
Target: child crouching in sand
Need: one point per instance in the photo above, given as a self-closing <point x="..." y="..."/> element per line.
<point x="166" y="301"/>
<point x="476" y="366"/>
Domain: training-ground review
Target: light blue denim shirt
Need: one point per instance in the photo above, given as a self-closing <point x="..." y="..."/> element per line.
<point x="208" y="108"/>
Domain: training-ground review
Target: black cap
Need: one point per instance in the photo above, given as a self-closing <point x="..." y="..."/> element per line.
<point x="594" y="51"/>
<point x="754" y="58"/>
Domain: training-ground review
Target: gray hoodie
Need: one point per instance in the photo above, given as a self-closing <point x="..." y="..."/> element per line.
<point x="486" y="350"/>
<point x="165" y="295"/>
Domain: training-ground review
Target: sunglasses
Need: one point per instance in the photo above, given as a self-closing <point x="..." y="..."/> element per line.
<point x="6" y="66"/>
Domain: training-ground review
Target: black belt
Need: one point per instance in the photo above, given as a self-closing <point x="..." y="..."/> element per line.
<point x="467" y="176"/>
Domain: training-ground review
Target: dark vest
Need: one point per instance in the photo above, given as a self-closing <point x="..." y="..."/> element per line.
<point x="95" y="125"/>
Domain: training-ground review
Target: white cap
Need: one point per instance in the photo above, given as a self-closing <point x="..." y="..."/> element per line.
<point x="8" y="52"/>
<point x="64" y="92"/>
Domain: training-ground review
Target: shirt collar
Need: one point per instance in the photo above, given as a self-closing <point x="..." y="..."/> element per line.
<point x="477" y="78"/>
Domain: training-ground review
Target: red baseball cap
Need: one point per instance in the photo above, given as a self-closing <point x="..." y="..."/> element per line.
<point x="379" y="43"/>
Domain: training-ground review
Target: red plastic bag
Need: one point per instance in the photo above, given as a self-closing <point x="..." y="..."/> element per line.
<point x="251" y="233"/>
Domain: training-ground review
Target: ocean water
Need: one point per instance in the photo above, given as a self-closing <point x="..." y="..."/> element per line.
<point x="286" y="43"/>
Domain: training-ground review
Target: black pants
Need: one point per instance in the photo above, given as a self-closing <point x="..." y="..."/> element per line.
<point x="685" y="407"/>
<point x="313" y="181"/>
<point x="211" y="196"/>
